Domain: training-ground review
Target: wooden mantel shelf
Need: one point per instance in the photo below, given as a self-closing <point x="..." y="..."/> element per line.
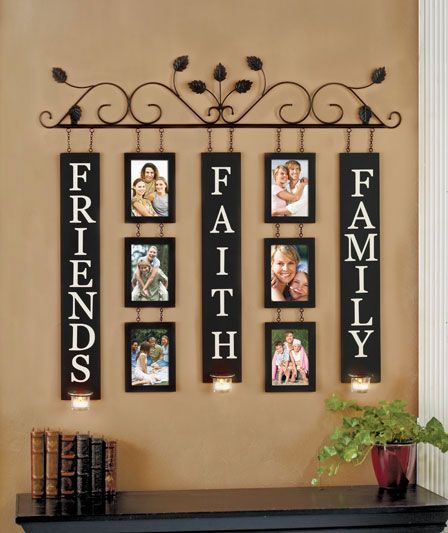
<point x="343" y="509"/>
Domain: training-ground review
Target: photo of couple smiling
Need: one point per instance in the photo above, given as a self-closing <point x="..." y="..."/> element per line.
<point x="289" y="273"/>
<point x="290" y="187"/>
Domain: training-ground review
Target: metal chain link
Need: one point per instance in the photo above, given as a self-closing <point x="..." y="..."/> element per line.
<point x="209" y="147"/>
<point x="161" y="148"/>
<point x="372" y="132"/>
<point x="137" y="149"/>
<point x="279" y="133"/>
<point x="300" y="231"/>
<point x="161" y="227"/>
<point x="91" y="131"/>
<point x="301" y="318"/>
<point x="301" y="140"/>
<point x="279" y="315"/>
<point x="231" y="130"/>
<point x="161" y="314"/>
<point x="347" y="149"/>
<point x="69" y="147"/>
<point x="137" y="233"/>
<point x="138" y="319"/>
<point x="277" y="231"/>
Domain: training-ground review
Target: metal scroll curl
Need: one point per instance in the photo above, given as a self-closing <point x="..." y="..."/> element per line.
<point x="365" y="112"/>
<point x="221" y="108"/>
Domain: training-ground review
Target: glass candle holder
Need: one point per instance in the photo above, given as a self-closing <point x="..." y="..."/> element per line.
<point x="80" y="401"/>
<point x="360" y="383"/>
<point x="222" y="382"/>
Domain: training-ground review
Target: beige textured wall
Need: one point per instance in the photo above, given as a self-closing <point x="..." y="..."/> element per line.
<point x="193" y="439"/>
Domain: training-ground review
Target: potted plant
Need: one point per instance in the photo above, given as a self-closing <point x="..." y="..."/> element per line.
<point x="388" y="431"/>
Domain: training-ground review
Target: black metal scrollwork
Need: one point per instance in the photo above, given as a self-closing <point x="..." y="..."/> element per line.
<point x="221" y="113"/>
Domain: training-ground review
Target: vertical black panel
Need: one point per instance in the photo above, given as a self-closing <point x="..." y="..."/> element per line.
<point x="80" y="274"/>
<point x="221" y="264"/>
<point x="360" y="265"/>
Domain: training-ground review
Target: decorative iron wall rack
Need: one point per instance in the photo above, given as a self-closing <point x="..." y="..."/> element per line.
<point x="221" y="114"/>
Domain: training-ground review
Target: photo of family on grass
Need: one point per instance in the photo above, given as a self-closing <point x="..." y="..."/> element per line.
<point x="290" y="187"/>
<point x="149" y="356"/>
<point x="290" y="356"/>
<point x="149" y="187"/>
<point x="149" y="271"/>
<point x="289" y="272"/>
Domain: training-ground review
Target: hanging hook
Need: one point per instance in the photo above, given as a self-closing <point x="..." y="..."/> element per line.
<point x="91" y="132"/>
<point x="209" y="132"/>
<point x="137" y="131"/>
<point x="69" y="147"/>
<point x="278" y="149"/>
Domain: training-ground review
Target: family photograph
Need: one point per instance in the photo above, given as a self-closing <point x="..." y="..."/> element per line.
<point x="149" y="181"/>
<point x="149" y="355"/>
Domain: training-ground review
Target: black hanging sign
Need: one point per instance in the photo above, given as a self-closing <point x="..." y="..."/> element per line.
<point x="221" y="264"/>
<point x="80" y="271"/>
<point x="360" y="265"/>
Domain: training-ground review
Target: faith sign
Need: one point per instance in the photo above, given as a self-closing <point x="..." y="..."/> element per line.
<point x="221" y="264"/>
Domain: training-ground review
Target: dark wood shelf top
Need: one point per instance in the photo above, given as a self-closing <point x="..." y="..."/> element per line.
<point x="226" y="502"/>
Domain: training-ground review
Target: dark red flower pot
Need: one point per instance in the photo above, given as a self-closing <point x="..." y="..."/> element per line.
<point x="394" y="465"/>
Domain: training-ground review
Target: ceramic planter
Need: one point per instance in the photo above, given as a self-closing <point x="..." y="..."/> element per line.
<point x="394" y="465"/>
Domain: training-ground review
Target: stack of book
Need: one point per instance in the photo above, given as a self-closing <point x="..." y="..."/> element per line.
<point x="72" y="465"/>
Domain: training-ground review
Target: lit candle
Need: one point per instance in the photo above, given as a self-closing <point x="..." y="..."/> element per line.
<point x="222" y="383"/>
<point x="360" y="383"/>
<point x="80" y="401"/>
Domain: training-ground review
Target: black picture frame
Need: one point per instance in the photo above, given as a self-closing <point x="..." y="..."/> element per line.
<point x="305" y="250"/>
<point x="305" y="369"/>
<point x="163" y="163"/>
<point x="153" y="380"/>
<point x="305" y="209"/>
<point x="138" y="248"/>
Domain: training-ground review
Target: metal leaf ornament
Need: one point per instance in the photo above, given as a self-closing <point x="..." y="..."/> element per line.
<point x="75" y="114"/>
<point x="59" y="75"/>
<point x="220" y="72"/>
<point x="180" y="63"/>
<point x="243" y="86"/>
<point x="197" y="86"/>
<point x="379" y="75"/>
<point x="365" y="114"/>
<point x="254" y="63"/>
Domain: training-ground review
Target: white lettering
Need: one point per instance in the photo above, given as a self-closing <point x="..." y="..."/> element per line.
<point x="361" y="289"/>
<point x="81" y="368"/>
<point x="230" y="344"/>
<point x="76" y="298"/>
<point x="222" y="298"/>
<point x="77" y="273"/>
<point x="222" y="213"/>
<point x="222" y="258"/>
<point x="91" y="333"/>
<point x="364" y="216"/>
<point x="354" y="334"/>
<point x="80" y="232"/>
<point x="356" y="313"/>
<point x="370" y="242"/>
<point x="77" y="209"/>
<point x="359" y="182"/>
<point x="77" y="176"/>
<point x="218" y="179"/>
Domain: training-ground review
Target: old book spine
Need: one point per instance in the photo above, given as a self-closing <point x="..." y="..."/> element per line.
<point x="68" y="465"/>
<point x="111" y="468"/>
<point x="52" y="464"/>
<point x="82" y="465"/>
<point x="97" y="464"/>
<point x="37" y="464"/>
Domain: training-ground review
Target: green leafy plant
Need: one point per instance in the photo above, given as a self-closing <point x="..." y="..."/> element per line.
<point x="364" y="426"/>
